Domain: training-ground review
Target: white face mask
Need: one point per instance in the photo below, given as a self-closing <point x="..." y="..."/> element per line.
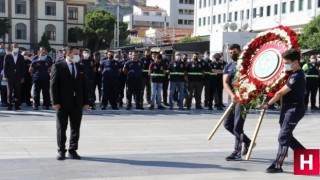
<point x="8" y="52"/>
<point x="15" y="50"/>
<point x="76" y="58"/>
<point x="318" y="59"/>
<point x="86" y="56"/>
<point x="205" y="57"/>
<point x="163" y="56"/>
<point x="178" y="58"/>
<point x="116" y="59"/>
<point x="288" y="67"/>
<point x="313" y="60"/>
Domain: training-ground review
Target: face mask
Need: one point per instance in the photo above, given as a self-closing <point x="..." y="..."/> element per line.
<point x="86" y="56"/>
<point x="76" y="58"/>
<point x="178" y="58"/>
<point x="205" y="57"/>
<point x="2" y="51"/>
<point x="43" y="58"/>
<point x="163" y="56"/>
<point x="318" y="59"/>
<point x="313" y="60"/>
<point x="116" y="59"/>
<point x="288" y="67"/>
<point x="15" y="50"/>
<point x="8" y="52"/>
<point x="148" y="56"/>
<point x="110" y="57"/>
<point x="234" y="57"/>
<point x="302" y="60"/>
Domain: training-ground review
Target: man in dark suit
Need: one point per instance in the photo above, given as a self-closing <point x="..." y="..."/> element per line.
<point x="69" y="95"/>
<point x="14" y="75"/>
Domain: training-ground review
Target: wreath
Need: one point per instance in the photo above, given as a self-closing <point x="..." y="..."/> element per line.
<point x="260" y="69"/>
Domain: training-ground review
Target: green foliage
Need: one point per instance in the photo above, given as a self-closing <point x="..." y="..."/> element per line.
<point x="45" y="42"/>
<point x="4" y="28"/>
<point x="310" y="38"/>
<point x="123" y="26"/>
<point x="99" y="27"/>
<point x="79" y="35"/>
<point x="190" y="39"/>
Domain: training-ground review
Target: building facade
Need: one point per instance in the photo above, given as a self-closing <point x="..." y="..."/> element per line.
<point x="252" y="15"/>
<point x="180" y="12"/>
<point x="30" y="19"/>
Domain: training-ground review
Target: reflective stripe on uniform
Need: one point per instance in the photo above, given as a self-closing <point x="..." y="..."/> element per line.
<point x="177" y="73"/>
<point x="312" y="76"/>
<point x="145" y="70"/>
<point x="195" y="74"/>
<point x="157" y="75"/>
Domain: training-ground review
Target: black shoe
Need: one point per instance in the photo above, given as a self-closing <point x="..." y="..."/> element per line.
<point x="151" y="107"/>
<point x="17" y="108"/>
<point x="314" y="108"/>
<point x="9" y="107"/>
<point x="234" y="157"/>
<point x="35" y="108"/>
<point x="199" y="107"/>
<point x="181" y="108"/>
<point x="246" y="148"/>
<point x="222" y="105"/>
<point x="219" y="108"/>
<point x="29" y="104"/>
<point x="188" y="108"/>
<point x="115" y="108"/>
<point x="166" y="104"/>
<point x="4" y="105"/>
<point x="273" y="169"/>
<point x="140" y="107"/>
<point x="93" y="108"/>
<point x="74" y="155"/>
<point x="61" y="156"/>
<point x="46" y="108"/>
<point x="161" y="107"/>
<point x="103" y="107"/>
<point x="210" y="108"/>
<point x="120" y="104"/>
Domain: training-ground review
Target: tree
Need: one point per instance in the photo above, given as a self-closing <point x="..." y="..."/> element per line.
<point x="4" y="28"/>
<point x="123" y="26"/>
<point x="98" y="28"/>
<point x="190" y="39"/>
<point x="310" y="38"/>
<point x="45" y="42"/>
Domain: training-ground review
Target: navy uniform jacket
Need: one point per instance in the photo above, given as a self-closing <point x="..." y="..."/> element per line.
<point x="110" y="68"/>
<point x="177" y="70"/>
<point x="230" y="69"/>
<point x="41" y="68"/>
<point x="89" y="67"/>
<point x="296" y="83"/>
<point x="134" y="68"/>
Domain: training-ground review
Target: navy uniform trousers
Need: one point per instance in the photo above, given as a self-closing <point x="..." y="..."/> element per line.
<point x="234" y="123"/>
<point x="290" y="115"/>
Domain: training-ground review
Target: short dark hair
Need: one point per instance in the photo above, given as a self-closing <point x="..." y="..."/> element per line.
<point x="234" y="46"/>
<point x="159" y="56"/>
<point x="292" y="54"/>
<point x="96" y="53"/>
<point x="71" y="48"/>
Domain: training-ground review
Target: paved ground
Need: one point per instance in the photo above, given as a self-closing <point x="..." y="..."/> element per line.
<point x="142" y="145"/>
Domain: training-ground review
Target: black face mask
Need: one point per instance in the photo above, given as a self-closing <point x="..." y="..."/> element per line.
<point x="148" y="56"/>
<point x="110" y="57"/>
<point x="234" y="57"/>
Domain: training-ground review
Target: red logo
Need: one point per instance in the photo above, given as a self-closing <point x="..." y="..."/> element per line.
<point x="307" y="162"/>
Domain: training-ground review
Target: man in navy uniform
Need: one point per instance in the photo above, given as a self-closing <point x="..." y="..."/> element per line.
<point x="110" y="69"/>
<point x="206" y="62"/>
<point x="312" y="82"/>
<point x="292" y="110"/>
<point x="234" y="121"/>
<point x="217" y="67"/>
<point x="40" y="71"/>
<point x="89" y="68"/>
<point x="123" y="77"/>
<point x="165" y="86"/>
<point x="146" y="83"/>
<point x="133" y="68"/>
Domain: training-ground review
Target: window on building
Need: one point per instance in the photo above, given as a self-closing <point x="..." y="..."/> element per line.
<point x="224" y="18"/>
<point x="309" y="4"/>
<point x="261" y="12"/>
<point x="204" y="21"/>
<point x="219" y="18"/>
<point x="254" y="14"/>
<point x="73" y="13"/>
<point x="181" y="1"/>
<point x="51" y="32"/>
<point x="200" y="3"/>
<point x="219" y="1"/>
<point x="242" y="15"/>
<point x="50" y="8"/>
<point x="191" y="12"/>
<point x="180" y="11"/>
<point x="204" y="3"/>
<point x="300" y="5"/>
<point x="180" y="21"/>
<point x="190" y="22"/>
<point x="72" y="35"/>
<point x="318" y="3"/>
<point x="214" y="2"/>
<point x="236" y="16"/>
<point x="248" y="13"/>
<point x="199" y="21"/>
<point x="213" y="19"/>
<point x="158" y="14"/>
<point x="284" y="7"/>
<point x="209" y="3"/>
<point x="225" y="1"/>
<point x="230" y="17"/>
<point x="268" y="10"/>
<point x="2" y="6"/>
<point x="146" y="13"/>
<point x="209" y="20"/>
<point x="291" y="6"/>
<point x="21" y="31"/>
<point x="191" y="2"/>
<point x="21" y="7"/>
<point x="276" y="9"/>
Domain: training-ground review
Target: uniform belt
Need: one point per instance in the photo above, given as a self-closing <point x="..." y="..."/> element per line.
<point x="312" y="76"/>
<point x="176" y="73"/>
<point x="195" y="74"/>
<point x="213" y="74"/>
<point x="145" y="70"/>
<point x="157" y="75"/>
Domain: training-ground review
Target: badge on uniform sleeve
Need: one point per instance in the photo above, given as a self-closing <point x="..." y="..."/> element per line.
<point x="174" y="64"/>
<point x="292" y="80"/>
<point x="154" y="67"/>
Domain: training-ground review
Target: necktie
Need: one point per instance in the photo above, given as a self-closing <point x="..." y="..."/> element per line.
<point x="73" y="72"/>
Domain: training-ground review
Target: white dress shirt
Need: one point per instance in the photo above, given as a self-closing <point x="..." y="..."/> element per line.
<point x="70" y="67"/>
<point x="15" y="57"/>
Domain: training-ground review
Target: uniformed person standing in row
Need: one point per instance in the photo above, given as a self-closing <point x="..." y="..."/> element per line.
<point x="133" y="68"/>
<point x="40" y="71"/>
<point x="3" y="87"/>
<point x="177" y="72"/>
<point x="97" y="77"/>
<point x="123" y="77"/>
<point x="89" y="67"/>
<point x="217" y="67"/>
<point x="165" y="86"/>
<point x="27" y="84"/>
<point x="110" y="69"/>
<point x="146" y="83"/>
<point x="312" y="74"/>
<point x="195" y="73"/>
<point x="292" y="110"/>
<point x="206" y="83"/>
<point x="234" y="121"/>
<point x="157" y="73"/>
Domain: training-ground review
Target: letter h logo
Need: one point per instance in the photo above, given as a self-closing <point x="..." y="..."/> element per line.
<point x="307" y="162"/>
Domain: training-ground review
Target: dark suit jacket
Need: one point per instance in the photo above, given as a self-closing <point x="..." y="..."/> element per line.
<point x="63" y="85"/>
<point x="13" y="70"/>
